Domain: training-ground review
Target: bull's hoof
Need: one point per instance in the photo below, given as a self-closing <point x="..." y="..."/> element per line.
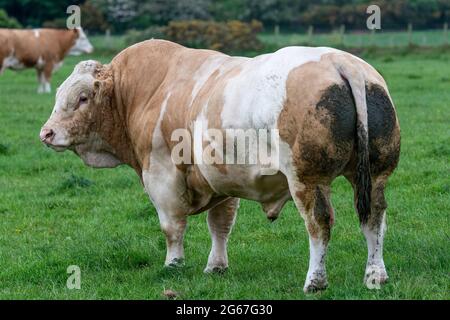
<point x="175" y="263"/>
<point x="315" y="283"/>
<point x="315" y="286"/>
<point x="215" y="269"/>
<point x="375" y="276"/>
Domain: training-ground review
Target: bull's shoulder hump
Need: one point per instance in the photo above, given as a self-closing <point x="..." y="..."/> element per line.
<point x="149" y="47"/>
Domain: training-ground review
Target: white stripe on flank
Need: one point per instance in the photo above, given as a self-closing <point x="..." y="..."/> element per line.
<point x="258" y="93"/>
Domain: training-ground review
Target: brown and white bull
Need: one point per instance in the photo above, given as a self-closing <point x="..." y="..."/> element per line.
<point x="42" y="49"/>
<point x="332" y="111"/>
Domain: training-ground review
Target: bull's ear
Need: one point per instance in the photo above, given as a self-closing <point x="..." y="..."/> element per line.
<point x="103" y="91"/>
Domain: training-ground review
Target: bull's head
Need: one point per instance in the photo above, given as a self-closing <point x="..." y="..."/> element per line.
<point x="82" y="117"/>
<point x="82" y="44"/>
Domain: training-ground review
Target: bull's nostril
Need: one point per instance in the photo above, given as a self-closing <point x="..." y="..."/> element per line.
<point x="47" y="135"/>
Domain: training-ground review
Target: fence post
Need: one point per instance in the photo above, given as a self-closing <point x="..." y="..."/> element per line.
<point x="446" y="33"/>
<point x="310" y="34"/>
<point x="341" y="34"/>
<point x="410" y="31"/>
<point x="108" y="38"/>
<point x="276" y="30"/>
<point x="424" y="40"/>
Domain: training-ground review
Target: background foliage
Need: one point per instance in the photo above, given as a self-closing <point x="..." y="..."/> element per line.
<point x="121" y="15"/>
<point x="8" y="22"/>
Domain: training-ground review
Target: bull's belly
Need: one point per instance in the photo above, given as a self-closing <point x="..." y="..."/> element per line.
<point x="11" y="62"/>
<point x="249" y="182"/>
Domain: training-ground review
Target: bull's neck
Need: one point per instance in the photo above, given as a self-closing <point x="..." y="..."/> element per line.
<point x="138" y="78"/>
<point x="117" y="136"/>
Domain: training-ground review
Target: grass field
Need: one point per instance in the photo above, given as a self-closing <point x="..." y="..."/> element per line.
<point x="56" y="212"/>
<point x="360" y="39"/>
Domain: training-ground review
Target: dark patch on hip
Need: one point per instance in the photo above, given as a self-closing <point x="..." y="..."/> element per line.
<point x="381" y="115"/>
<point x="319" y="162"/>
<point x="339" y="106"/>
<point x="384" y="135"/>
<point x="336" y="110"/>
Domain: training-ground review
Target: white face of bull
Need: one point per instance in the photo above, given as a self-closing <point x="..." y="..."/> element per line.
<point x="72" y="109"/>
<point x="82" y="45"/>
<point x="78" y="117"/>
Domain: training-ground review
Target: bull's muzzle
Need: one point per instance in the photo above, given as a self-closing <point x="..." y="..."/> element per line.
<point x="47" y="136"/>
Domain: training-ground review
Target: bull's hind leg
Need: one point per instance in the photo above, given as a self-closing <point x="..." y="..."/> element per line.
<point x="374" y="230"/>
<point x="220" y="222"/>
<point x="313" y="203"/>
<point x="384" y="151"/>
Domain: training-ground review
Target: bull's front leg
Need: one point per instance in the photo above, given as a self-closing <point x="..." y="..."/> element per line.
<point x="41" y="80"/>
<point x="165" y="189"/>
<point x="220" y="222"/>
<point x="173" y="227"/>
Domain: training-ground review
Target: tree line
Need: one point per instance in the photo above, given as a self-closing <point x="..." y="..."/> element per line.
<point x="121" y="15"/>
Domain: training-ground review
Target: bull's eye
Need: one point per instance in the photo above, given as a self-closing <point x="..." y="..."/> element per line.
<point x="83" y="99"/>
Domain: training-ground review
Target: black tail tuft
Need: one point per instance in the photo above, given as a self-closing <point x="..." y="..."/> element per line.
<point x="363" y="180"/>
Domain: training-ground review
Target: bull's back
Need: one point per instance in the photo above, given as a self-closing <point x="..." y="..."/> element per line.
<point x="27" y="47"/>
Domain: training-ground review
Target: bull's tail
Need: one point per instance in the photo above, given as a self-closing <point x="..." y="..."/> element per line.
<point x="363" y="183"/>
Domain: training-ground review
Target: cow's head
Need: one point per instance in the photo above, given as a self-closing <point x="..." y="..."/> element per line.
<point x="82" y="117"/>
<point x="82" y="44"/>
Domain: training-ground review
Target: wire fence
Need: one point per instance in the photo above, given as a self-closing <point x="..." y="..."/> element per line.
<point x="361" y="39"/>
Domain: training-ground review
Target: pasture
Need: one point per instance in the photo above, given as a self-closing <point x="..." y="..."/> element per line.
<point x="56" y="212"/>
<point x="381" y="38"/>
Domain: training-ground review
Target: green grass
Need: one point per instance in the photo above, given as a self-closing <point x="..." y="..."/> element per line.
<point x="56" y="212"/>
<point x="108" y="45"/>
<point x="360" y="39"/>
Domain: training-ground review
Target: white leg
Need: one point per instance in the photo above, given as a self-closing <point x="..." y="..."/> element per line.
<point x="316" y="278"/>
<point x="220" y="222"/>
<point x="314" y="205"/>
<point x="42" y="81"/>
<point x="174" y="228"/>
<point x="47" y="87"/>
<point x="375" y="274"/>
<point x="165" y="189"/>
